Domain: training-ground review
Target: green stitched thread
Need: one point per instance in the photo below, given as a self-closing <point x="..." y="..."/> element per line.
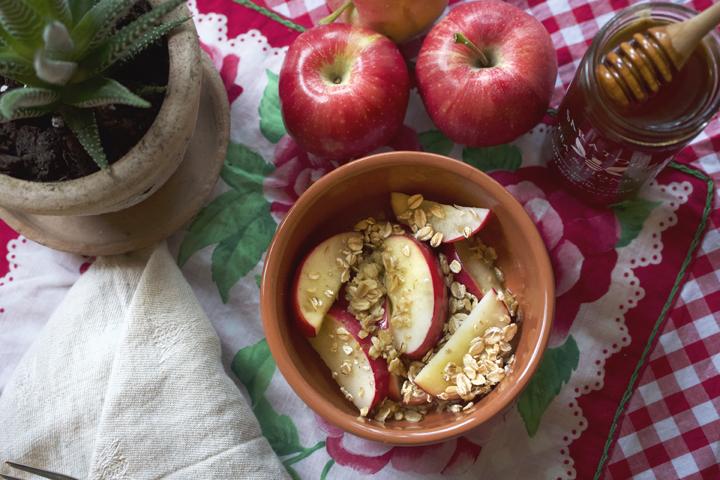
<point x="271" y="15"/>
<point x="676" y="286"/>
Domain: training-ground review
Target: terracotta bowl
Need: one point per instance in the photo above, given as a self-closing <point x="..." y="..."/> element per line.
<point x="362" y="188"/>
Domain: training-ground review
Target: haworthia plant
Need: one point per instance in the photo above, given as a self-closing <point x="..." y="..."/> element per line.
<point x="60" y="50"/>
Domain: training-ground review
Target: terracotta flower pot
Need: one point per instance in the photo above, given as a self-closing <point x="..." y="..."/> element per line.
<point x="147" y="166"/>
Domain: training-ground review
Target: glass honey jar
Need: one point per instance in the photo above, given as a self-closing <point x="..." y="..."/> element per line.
<point x="604" y="152"/>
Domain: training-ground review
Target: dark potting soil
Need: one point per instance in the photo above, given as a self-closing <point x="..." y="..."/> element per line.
<point x="43" y="149"/>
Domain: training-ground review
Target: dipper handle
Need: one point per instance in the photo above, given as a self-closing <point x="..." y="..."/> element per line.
<point x="636" y="69"/>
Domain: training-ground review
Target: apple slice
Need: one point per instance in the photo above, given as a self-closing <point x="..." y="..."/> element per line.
<point x="319" y="279"/>
<point x="363" y="380"/>
<point x="454" y="222"/>
<point x="489" y="312"/>
<point x="417" y="294"/>
<point x="477" y="275"/>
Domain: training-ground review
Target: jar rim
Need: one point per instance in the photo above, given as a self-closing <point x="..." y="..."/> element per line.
<point x="687" y="130"/>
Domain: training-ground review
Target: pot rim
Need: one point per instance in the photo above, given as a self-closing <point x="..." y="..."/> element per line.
<point x="129" y="175"/>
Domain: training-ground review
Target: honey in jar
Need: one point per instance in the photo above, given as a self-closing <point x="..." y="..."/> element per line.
<point x="604" y="152"/>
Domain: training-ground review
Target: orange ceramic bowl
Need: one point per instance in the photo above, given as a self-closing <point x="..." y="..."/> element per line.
<point x="362" y="188"/>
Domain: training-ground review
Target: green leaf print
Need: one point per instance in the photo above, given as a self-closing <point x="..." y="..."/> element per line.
<point x="271" y="122"/>
<point x="487" y="159"/>
<point x="245" y="170"/>
<point x="631" y="215"/>
<point x="237" y="255"/>
<point x="255" y="367"/>
<point x="434" y="141"/>
<point x="555" y="370"/>
<point x="222" y="218"/>
<point x="278" y="429"/>
<point x="238" y="221"/>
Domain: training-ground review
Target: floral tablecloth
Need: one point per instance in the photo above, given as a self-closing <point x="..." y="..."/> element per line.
<point x="630" y="384"/>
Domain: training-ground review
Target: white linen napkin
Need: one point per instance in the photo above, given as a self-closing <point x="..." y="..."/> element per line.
<point x="125" y="382"/>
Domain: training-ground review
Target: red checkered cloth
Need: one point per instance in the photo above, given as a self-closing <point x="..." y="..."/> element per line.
<point x="671" y="426"/>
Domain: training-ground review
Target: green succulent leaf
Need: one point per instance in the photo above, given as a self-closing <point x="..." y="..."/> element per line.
<point x="83" y="124"/>
<point x="16" y="46"/>
<point x="20" y="20"/>
<point x="16" y="68"/>
<point x="78" y="8"/>
<point x="30" y="112"/>
<point x="101" y="91"/>
<point x="96" y="25"/>
<point x="61" y="10"/>
<point x="19" y="98"/>
<point x="133" y="38"/>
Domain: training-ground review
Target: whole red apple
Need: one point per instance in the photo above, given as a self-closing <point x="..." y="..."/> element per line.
<point x="400" y="20"/>
<point x="343" y="91"/>
<point x="486" y="73"/>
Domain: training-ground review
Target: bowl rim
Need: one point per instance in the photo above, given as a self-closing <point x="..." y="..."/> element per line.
<point x="323" y="406"/>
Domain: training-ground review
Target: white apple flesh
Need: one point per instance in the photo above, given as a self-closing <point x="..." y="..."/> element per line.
<point x="476" y="274"/>
<point x="456" y="223"/>
<point x="417" y="294"/>
<point x="318" y="281"/>
<point x="363" y="380"/>
<point x="489" y="312"/>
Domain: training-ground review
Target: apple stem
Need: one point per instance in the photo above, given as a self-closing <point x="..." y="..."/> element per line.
<point x="483" y="60"/>
<point x="334" y="15"/>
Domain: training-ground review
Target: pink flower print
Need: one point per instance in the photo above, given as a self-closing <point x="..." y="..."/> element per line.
<point x="580" y="240"/>
<point x="295" y="171"/>
<point x="228" y="68"/>
<point x="452" y="457"/>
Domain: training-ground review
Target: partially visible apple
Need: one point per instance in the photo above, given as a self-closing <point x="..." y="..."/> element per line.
<point x="400" y="20"/>
<point x="318" y="281"/>
<point x="486" y="73"/>
<point x="343" y="91"/>
<point x="455" y="224"/>
<point x="477" y="276"/>
<point x="363" y="380"/>
<point x="489" y="312"/>
<point x="417" y="294"/>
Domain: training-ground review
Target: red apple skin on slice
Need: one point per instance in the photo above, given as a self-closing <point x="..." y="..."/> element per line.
<point x="477" y="276"/>
<point x="319" y="273"/>
<point x="489" y="312"/>
<point x="454" y="221"/>
<point x="368" y="380"/>
<point x="421" y="291"/>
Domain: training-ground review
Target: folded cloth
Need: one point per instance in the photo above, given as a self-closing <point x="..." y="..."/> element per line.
<point x="125" y="382"/>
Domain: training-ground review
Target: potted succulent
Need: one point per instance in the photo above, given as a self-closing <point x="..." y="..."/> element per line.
<point x="96" y="112"/>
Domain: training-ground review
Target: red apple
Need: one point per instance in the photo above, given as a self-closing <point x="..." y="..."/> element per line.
<point x="417" y="294"/>
<point x="347" y="356"/>
<point x="400" y="20"/>
<point x="343" y="91"/>
<point x="455" y="222"/>
<point x="318" y="281"/>
<point x="476" y="274"/>
<point x="486" y="73"/>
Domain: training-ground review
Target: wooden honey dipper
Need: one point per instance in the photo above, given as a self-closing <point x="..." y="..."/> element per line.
<point x="639" y="68"/>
